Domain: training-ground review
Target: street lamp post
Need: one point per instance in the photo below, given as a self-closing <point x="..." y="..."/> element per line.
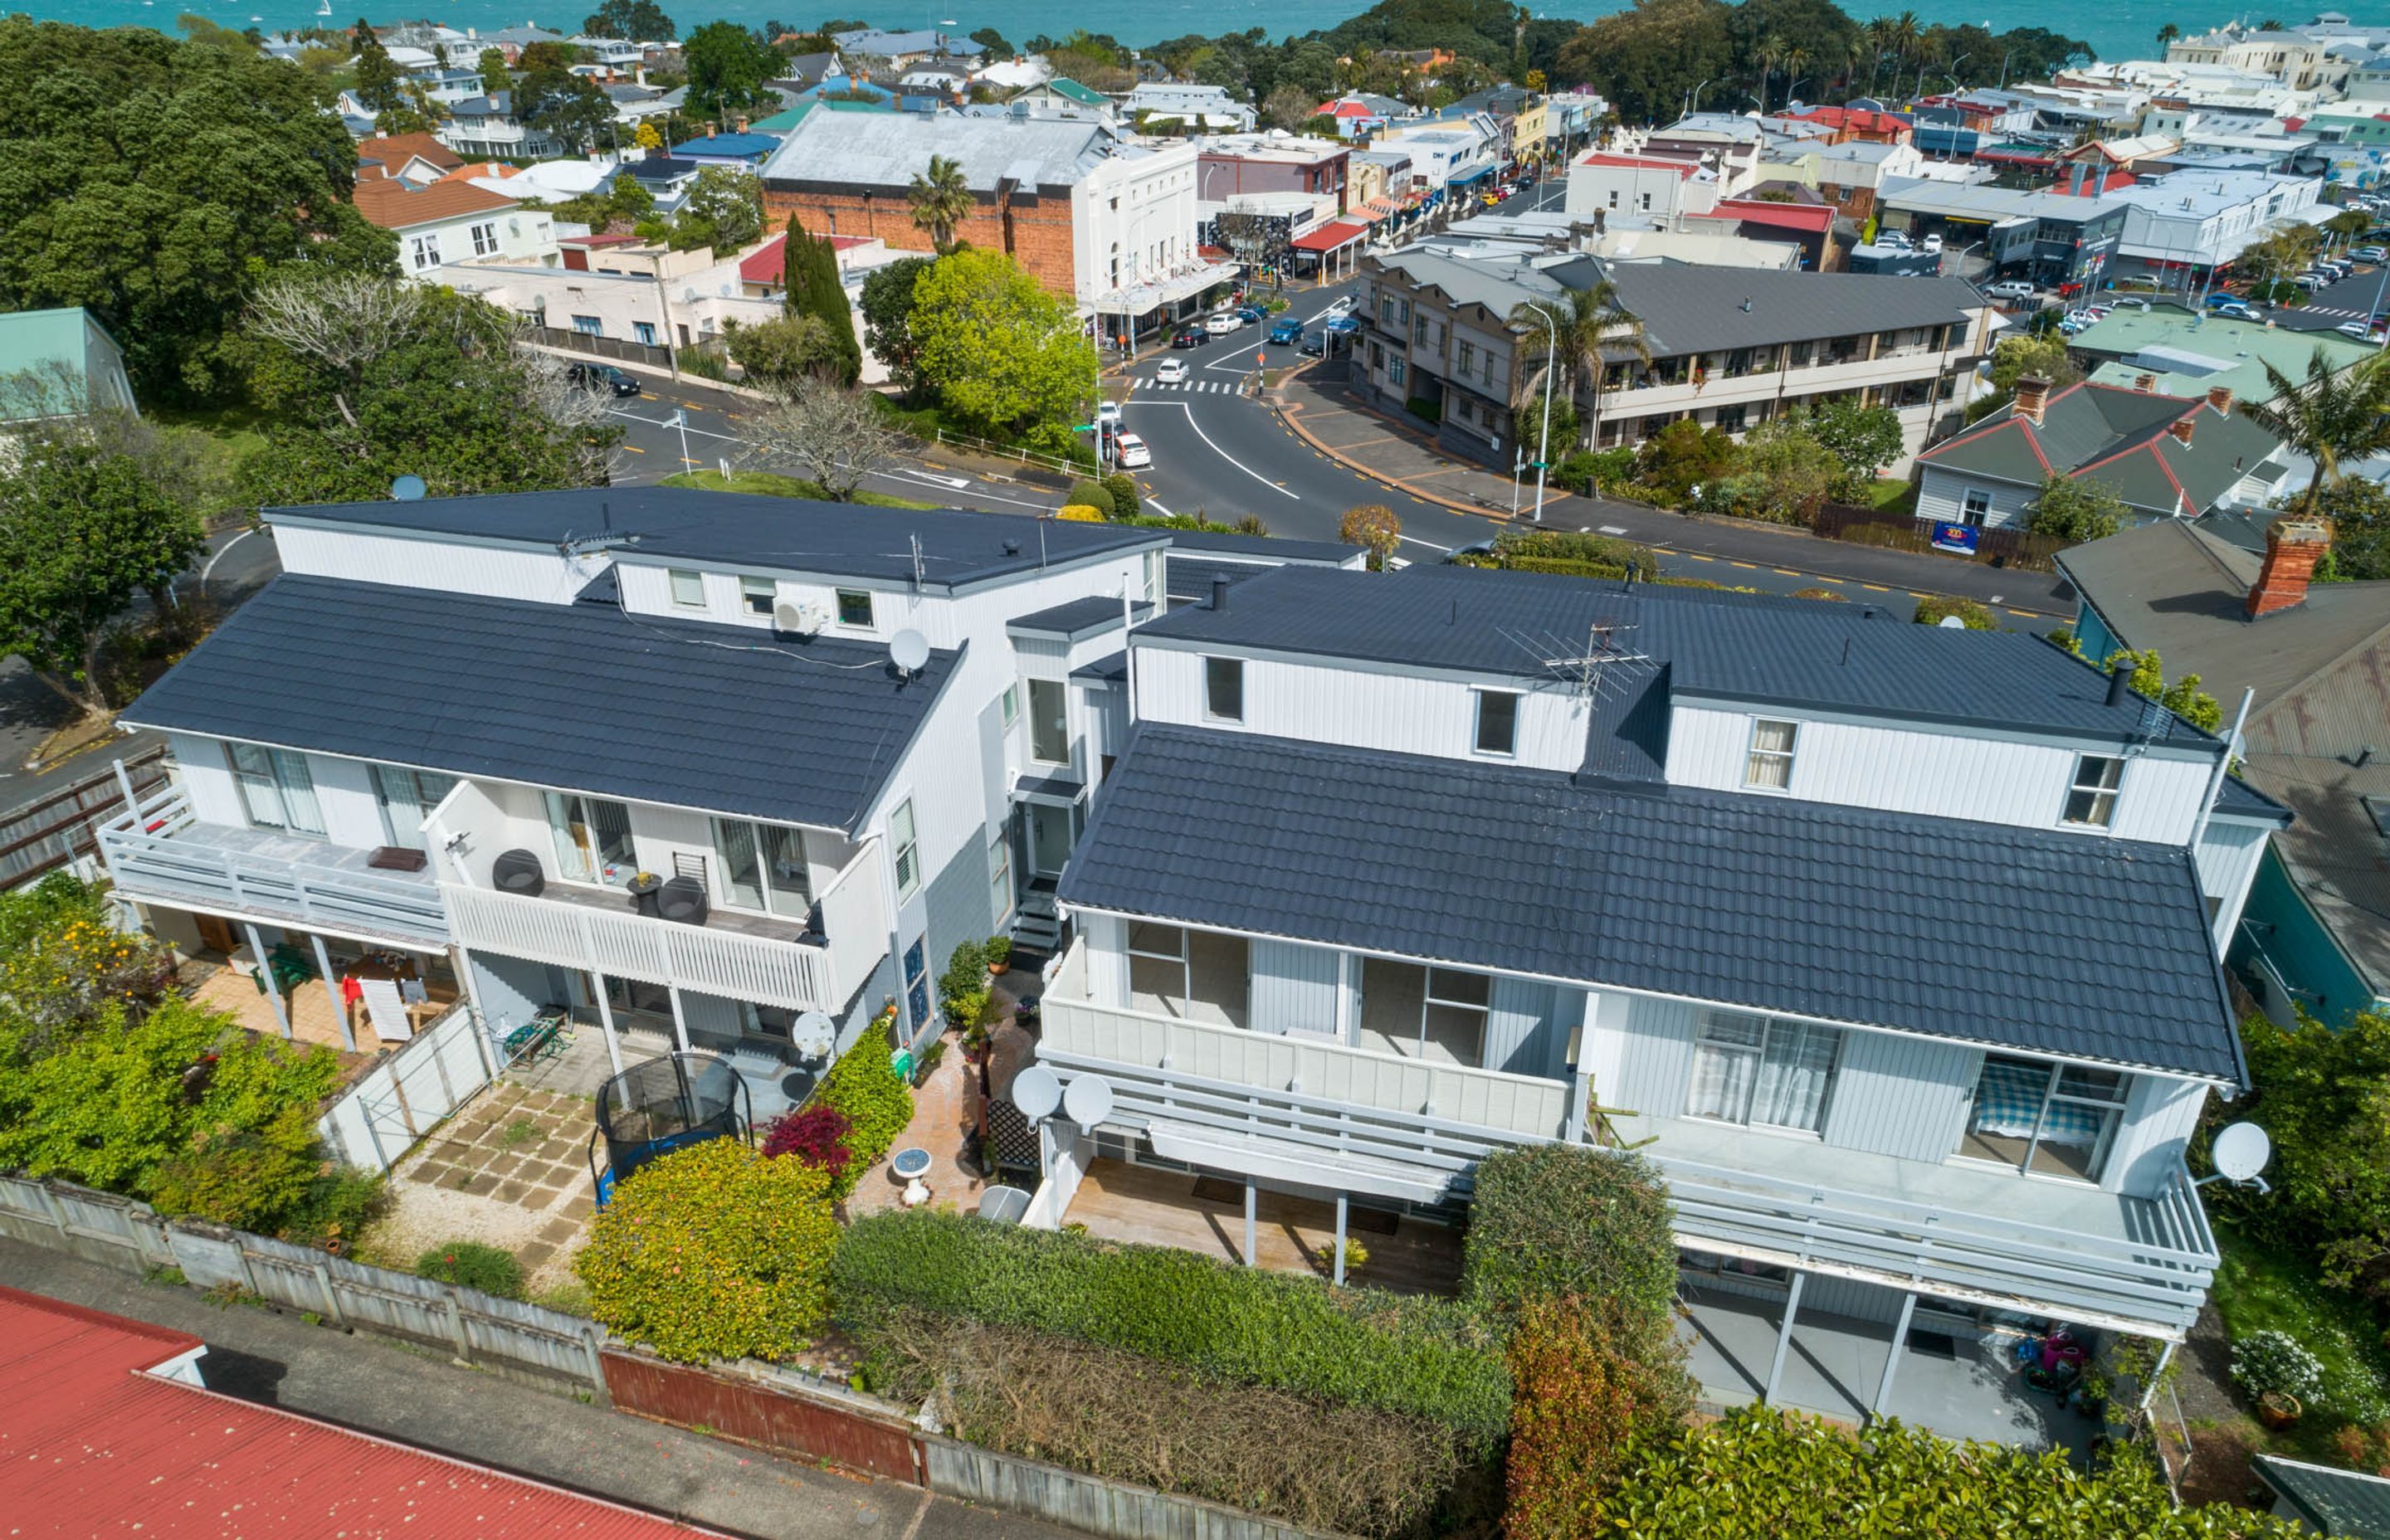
<point x="1544" y="440"/>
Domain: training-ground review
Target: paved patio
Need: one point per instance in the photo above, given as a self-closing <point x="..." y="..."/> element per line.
<point x="1951" y="1384"/>
<point x="510" y="1170"/>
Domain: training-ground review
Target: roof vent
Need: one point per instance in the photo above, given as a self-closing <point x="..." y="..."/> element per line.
<point x="1012" y="548"/>
<point x="2120" y="681"/>
<point x="1219" y="592"/>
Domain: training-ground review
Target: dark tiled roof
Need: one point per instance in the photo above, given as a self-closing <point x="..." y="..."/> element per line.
<point x="1190" y="577"/>
<point x="2345" y="1503"/>
<point x="575" y="696"/>
<point x="778" y="533"/>
<point x="1766" y="902"/>
<point x="1732" y="647"/>
<point x="1267" y="547"/>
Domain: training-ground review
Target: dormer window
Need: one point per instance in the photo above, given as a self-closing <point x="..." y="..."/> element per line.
<point x="1498" y="721"/>
<point x="687" y="589"/>
<point x="1768" y="765"/>
<point x="2092" y="801"/>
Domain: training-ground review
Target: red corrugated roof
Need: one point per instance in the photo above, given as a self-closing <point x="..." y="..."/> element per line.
<point x="1812" y="218"/>
<point x="1336" y="233"/>
<point x="92" y="1444"/>
<point x="1682" y="167"/>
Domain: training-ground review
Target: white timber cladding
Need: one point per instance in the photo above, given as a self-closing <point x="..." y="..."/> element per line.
<point x="1344" y="703"/>
<point x="1900" y="1095"/>
<point x="207" y="780"/>
<point x="1942" y="498"/>
<point x="544" y="576"/>
<point x="2228" y="854"/>
<point x="1950" y="773"/>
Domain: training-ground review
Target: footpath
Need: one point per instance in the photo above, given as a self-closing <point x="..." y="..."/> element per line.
<point x="376" y="1386"/>
<point x="1398" y="456"/>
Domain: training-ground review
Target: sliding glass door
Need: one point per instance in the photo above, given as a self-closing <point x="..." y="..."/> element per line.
<point x="763" y="867"/>
<point x="593" y="838"/>
<point x="406" y="796"/>
<point x="277" y="790"/>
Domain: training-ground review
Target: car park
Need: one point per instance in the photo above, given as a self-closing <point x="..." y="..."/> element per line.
<point x="1170" y="371"/>
<point x="2371" y="253"/>
<point x="1190" y="337"/>
<point x="2358" y="329"/>
<point x="1286" y="330"/>
<point x="2232" y="309"/>
<point x="601" y="377"/>
<point x="2312" y="282"/>
<point x="1130" y="451"/>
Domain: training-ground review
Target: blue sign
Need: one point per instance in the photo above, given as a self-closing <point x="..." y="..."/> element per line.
<point x="1957" y="539"/>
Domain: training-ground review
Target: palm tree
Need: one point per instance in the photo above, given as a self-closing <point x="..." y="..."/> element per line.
<point x="1769" y="50"/>
<point x="1876" y="36"/>
<point x="1902" y="36"/>
<point x="1589" y="324"/>
<point x="2167" y="33"/>
<point x="1795" y="57"/>
<point x="2330" y="418"/>
<point x="940" y="202"/>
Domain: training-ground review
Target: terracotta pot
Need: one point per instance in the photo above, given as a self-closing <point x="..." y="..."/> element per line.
<point x="2278" y="1410"/>
<point x="997" y="971"/>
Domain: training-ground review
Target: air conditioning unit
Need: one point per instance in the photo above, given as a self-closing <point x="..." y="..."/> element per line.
<point x="800" y="619"/>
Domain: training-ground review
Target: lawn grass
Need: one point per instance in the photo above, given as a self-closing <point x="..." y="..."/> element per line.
<point x="1890" y="496"/>
<point x="765" y="483"/>
<point x="2261" y="1287"/>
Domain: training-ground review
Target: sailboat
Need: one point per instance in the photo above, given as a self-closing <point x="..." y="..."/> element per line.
<point x="323" y="7"/>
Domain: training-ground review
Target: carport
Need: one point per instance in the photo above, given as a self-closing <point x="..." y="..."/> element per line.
<point x="1331" y="252"/>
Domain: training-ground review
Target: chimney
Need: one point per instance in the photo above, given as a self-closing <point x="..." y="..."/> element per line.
<point x="2032" y="392"/>
<point x="2293" y="548"/>
<point x="2220" y="397"/>
<point x="1219" y="593"/>
<point x="2145" y="383"/>
<point x="2120" y="684"/>
<point x="2181" y="428"/>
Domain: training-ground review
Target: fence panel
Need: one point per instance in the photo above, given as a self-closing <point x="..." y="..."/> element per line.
<point x="784" y="1416"/>
<point x="1115" y="1510"/>
<point x="405" y="1094"/>
<point x="53" y="830"/>
<point x="2018" y="548"/>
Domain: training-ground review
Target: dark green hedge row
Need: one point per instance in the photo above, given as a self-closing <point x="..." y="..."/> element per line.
<point x="1558" y="1221"/>
<point x="1427" y="1357"/>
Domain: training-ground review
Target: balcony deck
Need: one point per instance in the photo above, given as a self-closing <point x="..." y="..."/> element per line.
<point x="164" y="854"/>
<point x="614" y="901"/>
<point x="1157" y="1207"/>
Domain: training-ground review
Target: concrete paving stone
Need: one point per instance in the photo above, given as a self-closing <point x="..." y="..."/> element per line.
<point x="534" y="1256"/>
<point x="558" y="1231"/>
<point x="510" y="1192"/>
<point x="581" y="1208"/>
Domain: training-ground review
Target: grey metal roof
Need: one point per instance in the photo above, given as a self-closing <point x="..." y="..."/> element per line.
<point x="790" y="535"/>
<point x="1191" y="577"/>
<point x="1268" y="547"/>
<point x="576" y="695"/>
<point x="1074" y="618"/>
<point x="886" y="151"/>
<point x="1731" y="646"/>
<point x="1109" y="669"/>
<point x="2345" y="1503"/>
<point x="2121" y="439"/>
<point x="1764" y="902"/>
<point x="1687" y="308"/>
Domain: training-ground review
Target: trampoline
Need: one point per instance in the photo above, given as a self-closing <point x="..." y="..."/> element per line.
<point x="663" y="1104"/>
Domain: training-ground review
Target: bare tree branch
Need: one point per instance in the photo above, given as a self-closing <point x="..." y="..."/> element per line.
<point x="837" y="435"/>
<point x="342" y="320"/>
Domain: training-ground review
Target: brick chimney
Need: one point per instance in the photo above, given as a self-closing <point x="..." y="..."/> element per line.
<point x="2181" y="428"/>
<point x="2145" y="383"/>
<point x="2032" y="393"/>
<point x="2220" y="397"/>
<point x="2293" y="548"/>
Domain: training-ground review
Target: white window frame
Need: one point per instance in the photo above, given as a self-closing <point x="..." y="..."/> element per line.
<point x="1970" y="514"/>
<point x="1011" y="699"/>
<point x="751" y="588"/>
<point x="999" y="872"/>
<point x="1771" y="1028"/>
<point x="841" y="597"/>
<point x="1062" y="697"/>
<point x="2051" y="1095"/>
<point x="775" y="902"/>
<point x="423" y="251"/>
<point x="1211" y="705"/>
<point x="1752" y="753"/>
<point x="905" y="846"/>
<point x="1510" y="749"/>
<point x="485" y="237"/>
<point x="277" y="789"/>
<point x="676" y="578"/>
<point x="2097" y="814"/>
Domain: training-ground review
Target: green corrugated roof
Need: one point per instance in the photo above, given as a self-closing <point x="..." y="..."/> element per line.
<point x="1065" y="86"/>
<point x="2189" y="355"/>
<point x="780" y="123"/>
<point x="29" y="339"/>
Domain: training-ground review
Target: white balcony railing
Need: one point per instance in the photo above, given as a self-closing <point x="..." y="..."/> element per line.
<point x="162" y="854"/>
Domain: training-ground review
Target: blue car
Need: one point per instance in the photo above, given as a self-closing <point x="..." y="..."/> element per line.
<point x="1252" y="315"/>
<point x="1344" y="326"/>
<point x="1287" y="330"/>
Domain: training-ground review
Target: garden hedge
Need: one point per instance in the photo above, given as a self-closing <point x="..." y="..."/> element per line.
<point x="1427" y="1357"/>
<point x="875" y="1102"/>
<point x="1557" y="1220"/>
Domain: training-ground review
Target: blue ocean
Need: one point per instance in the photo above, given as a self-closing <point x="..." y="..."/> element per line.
<point x="2120" y="29"/>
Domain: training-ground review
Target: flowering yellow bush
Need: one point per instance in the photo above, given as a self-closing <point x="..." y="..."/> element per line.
<point x="1082" y="513"/>
<point x="714" y="1252"/>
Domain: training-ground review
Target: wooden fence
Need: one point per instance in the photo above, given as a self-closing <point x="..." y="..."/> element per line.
<point x="771" y="1407"/>
<point x="2021" y="549"/>
<point x="62" y="827"/>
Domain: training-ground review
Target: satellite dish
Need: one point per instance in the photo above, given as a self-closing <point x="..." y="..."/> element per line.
<point x="812" y="1034"/>
<point x="909" y="650"/>
<point x="408" y="488"/>
<point x="1088" y="1101"/>
<point x="1036" y="1092"/>
<point x="2241" y="1152"/>
<point x="1003" y="1205"/>
<point x="1951" y="622"/>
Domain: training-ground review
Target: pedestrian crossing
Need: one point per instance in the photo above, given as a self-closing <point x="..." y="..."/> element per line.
<point x="2333" y="309"/>
<point x="1192" y="387"/>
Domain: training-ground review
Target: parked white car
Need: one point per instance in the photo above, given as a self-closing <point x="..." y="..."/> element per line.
<point x="1108" y="411"/>
<point x="1131" y="452"/>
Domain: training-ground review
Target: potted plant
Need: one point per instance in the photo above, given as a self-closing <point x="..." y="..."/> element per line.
<point x="1356" y="1256"/>
<point x="1000" y="956"/>
<point x="2283" y="1376"/>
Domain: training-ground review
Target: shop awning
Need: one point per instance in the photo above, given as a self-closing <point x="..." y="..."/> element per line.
<point x="1334" y="235"/>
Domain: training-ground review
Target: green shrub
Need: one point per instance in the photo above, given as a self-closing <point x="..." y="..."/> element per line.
<point x="1424" y="409"/>
<point x="1560" y="567"/>
<point x="1125" y="498"/>
<point x="335" y="1209"/>
<point x="2320" y="1090"/>
<point x="2272" y="1363"/>
<point x="1095" y="494"/>
<point x="1560" y="1220"/>
<point x="962" y="990"/>
<point x="1761" y="1474"/>
<point x="714" y="1252"/>
<point x="472" y="1265"/>
<point x="877" y="1103"/>
<point x="1426" y="1357"/>
<point x="1974" y="616"/>
<point x="1623" y="556"/>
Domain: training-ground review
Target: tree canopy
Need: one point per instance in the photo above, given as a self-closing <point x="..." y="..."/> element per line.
<point x="633" y="20"/>
<point x="2076" y="509"/>
<point x="154" y="183"/>
<point x="888" y="315"/>
<point x="1004" y="355"/>
<point x="728" y="66"/>
<point x="816" y="289"/>
<point x="722" y="209"/>
<point x="574" y="109"/>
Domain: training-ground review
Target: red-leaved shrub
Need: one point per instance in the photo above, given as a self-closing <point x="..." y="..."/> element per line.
<point x="815" y="1135"/>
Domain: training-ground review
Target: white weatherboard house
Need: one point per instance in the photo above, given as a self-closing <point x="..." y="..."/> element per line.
<point x="487" y="715"/>
<point x="1896" y="946"/>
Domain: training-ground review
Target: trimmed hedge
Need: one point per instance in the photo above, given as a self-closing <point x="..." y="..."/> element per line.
<point x="1427" y="1357"/>
<point x="1972" y="615"/>
<point x="876" y="1104"/>
<point x="1557" y="1220"/>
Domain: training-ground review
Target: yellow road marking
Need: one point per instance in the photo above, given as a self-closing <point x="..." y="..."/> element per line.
<point x="1915" y="595"/>
<point x="1786" y="571"/>
<point x="635" y="449"/>
<point x="1875" y="588"/>
<point x="2027" y="613"/>
<point x="1747" y="565"/>
<point x="1696" y="556"/>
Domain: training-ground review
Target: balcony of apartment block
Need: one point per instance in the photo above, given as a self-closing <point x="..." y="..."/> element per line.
<point x="1205" y="1073"/>
<point x="1850" y="364"/>
<point x="161" y="852"/>
<point x="514" y="885"/>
